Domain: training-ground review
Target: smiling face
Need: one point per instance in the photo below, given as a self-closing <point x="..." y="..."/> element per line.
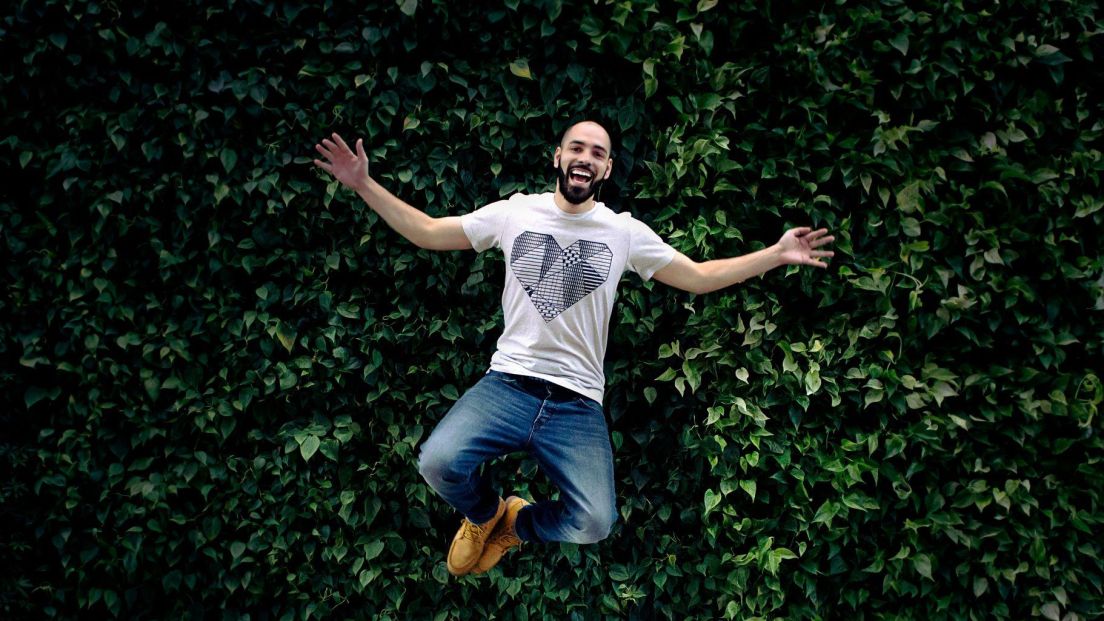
<point x="582" y="162"/>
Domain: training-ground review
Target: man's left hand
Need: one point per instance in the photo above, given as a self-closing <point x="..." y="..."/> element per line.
<point x="798" y="246"/>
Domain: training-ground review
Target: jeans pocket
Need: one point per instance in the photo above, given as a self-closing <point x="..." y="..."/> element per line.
<point x="589" y="404"/>
<point x="505" y="378"/>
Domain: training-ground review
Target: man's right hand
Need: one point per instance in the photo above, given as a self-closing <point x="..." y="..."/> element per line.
<point x="351" y="169"/>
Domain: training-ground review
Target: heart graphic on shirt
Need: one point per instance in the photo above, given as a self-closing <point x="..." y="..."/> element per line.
<point x="556" y="278"/>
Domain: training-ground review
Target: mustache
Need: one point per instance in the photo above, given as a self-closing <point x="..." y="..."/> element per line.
<point x="572" y="195"/>
<point x="562" y="172"/>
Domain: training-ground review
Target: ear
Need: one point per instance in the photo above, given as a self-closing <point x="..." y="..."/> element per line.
<point x="556" y="157"/>
<point x="609" y="169"/>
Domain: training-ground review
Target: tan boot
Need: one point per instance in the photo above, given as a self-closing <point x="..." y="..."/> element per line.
<point x="502" y="539"/>
<point x="467" y="545"/>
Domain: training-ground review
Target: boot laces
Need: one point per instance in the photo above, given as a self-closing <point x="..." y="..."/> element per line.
<point x="472" y="532"/>
<point x="508" y="540"/>
<point x="505" y="538"/>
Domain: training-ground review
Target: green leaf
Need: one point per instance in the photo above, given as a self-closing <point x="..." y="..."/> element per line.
<point x="676" y="47"/>
<point x="237" y="549"/>
<point x="408" y="7"/>
<point x="286" y="335"/>
<point x="942" y="390"/>
<point x="372" y="550"/>
<point x="922" y="564"/>
<point x="908" y="198"/>
<point x="900" y="43"/>
<point x="229" y="159"/>
<point x="712" y="499"/>
<point x="152" y="386"/>
<point x="1050" y="55"/>
<point x="872" y="397"/>
<point x="812" y="381"/>
<point x="772" y="562"/>
<point x="34" y="394"/>
<point x="309" y="447"/>
<point x="860" y="502"/>
<point x="894" y="446"/>
<point x="749" y="487"/>
<point x="366" y="576"/>
<point x="775" y="558"/>
<point x="1089" y="206"/>
<point x="783" y="553"/>
<point x="1043" y="175"/>
<point x="329" y="449"/>
<point x="520" y="68"/>
<point x="339" y="552"/>
<point x="981" y="585"/>
<point x="348" y="311"/>
<point x="826" y="512"/>
<point x="651" y="84"/>
<point x="619" y="573"/>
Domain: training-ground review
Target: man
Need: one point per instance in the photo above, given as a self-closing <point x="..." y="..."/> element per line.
<point x="565" y="255"/>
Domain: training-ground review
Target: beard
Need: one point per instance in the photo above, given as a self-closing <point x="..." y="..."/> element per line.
<point x="574" y="194"/>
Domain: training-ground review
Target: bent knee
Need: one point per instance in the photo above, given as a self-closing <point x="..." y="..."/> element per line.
<point x="594" y="527"/>
<point x="435" y="466"/>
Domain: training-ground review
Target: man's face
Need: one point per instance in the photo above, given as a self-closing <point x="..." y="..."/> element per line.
<point x="582" y="162"/>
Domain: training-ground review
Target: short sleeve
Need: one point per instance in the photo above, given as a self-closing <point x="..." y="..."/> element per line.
<point x="484" y="226"/>
<point x="648" y="253"/>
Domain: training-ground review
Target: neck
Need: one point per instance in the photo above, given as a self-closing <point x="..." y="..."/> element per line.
<point x="571" y="208"/>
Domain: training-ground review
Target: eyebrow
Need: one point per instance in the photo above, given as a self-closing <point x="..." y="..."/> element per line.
<point x="585" y="144"/>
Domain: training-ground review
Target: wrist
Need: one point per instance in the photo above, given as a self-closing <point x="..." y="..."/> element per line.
<point x="775" y="252"/>
<point x="365" y="187"/>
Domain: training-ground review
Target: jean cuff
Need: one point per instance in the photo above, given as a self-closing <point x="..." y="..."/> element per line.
<point x="523" y="526"/>
<point x="483" y="516"/>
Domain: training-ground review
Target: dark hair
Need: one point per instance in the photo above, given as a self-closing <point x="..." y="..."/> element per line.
<point x="597" y="122"/>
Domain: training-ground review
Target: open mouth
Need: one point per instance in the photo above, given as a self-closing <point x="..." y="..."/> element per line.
<point x="580" y="175"/>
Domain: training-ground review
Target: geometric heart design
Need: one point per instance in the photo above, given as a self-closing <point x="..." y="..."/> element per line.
<point x="556" y="278"/>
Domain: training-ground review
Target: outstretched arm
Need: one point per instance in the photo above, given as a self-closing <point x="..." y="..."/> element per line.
<point x="423" y="230"/>
<point x="797" y="247"/>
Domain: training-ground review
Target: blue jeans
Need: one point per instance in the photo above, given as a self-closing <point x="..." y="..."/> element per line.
<point x="564" y="431"/>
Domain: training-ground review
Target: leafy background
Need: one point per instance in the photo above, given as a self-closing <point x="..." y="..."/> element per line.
<point x="218" y="366"/>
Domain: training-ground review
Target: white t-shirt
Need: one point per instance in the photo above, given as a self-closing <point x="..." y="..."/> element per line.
<point x="562" y="272"/>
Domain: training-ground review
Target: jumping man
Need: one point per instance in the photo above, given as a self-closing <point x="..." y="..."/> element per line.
<point x="565" y="254"/>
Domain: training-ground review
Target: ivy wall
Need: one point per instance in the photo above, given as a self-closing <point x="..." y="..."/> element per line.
<point x="218" y="366"/>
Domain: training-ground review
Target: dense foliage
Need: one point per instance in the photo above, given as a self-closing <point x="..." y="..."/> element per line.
<point x="219" y="365"/>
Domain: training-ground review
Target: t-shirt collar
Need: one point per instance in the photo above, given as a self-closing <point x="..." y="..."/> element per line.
<point x="573" y="216"/>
